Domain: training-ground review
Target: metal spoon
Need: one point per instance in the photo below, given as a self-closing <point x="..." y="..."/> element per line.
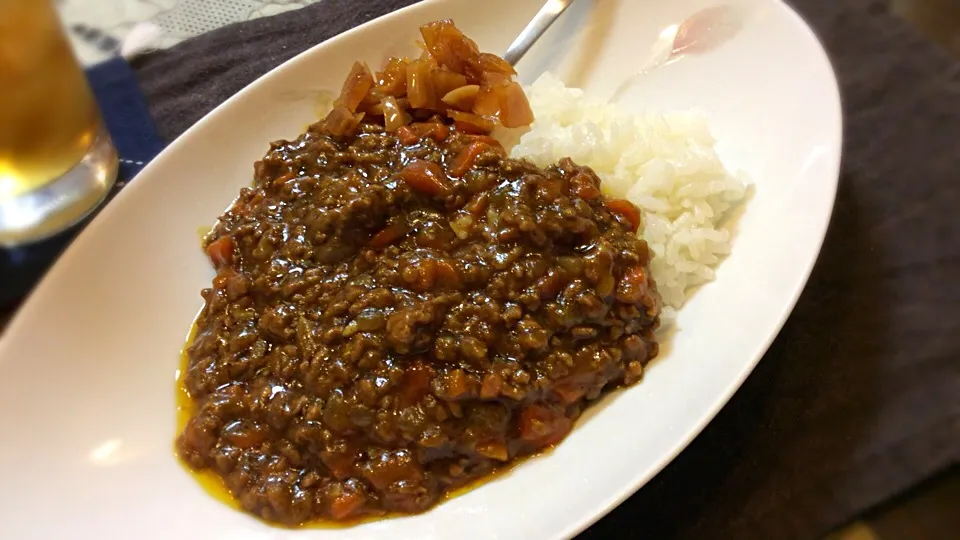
<point x="543" y="19"/>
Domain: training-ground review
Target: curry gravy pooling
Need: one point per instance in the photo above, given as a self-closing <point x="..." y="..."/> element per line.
<point x="214" y="486"/>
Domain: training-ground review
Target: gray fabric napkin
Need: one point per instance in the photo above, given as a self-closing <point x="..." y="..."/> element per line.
<point x="859" y="397"/>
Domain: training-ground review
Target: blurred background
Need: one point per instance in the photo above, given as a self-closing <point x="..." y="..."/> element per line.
<point x="98" y="28"/>
<point x="939" y="20"/>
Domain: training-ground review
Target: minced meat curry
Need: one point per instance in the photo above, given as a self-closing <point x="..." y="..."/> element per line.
<point x="400" y="309"/>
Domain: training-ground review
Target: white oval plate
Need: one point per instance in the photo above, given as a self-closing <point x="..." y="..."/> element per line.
<point x="87" y="367"/>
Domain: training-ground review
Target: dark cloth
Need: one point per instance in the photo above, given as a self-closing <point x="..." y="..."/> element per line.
<point x="126" y="115"/>
<point x="859" y="397"/>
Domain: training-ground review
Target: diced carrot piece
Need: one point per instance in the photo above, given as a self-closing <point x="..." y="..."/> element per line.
<point x="490" y="387"/>
<point x="220" y="251"/>
<point x="570" y="389"/>
<point x="394" y="230"/>
<point x="447" y="273"/>
<point x="454" y="385"/>
<point x="434" y="129"/>
<point x="487" y="139"/>
<point x="584" y="187"/>
<point x="551" y="284"/>
<point x="471" y="123"/>
<point x="425" y="177"/>
<point x="542" y="426"/>
<point x="415" y="383"/>
<point x="345" y="505"/>
<point x="467" y="157"/>
<point x="407" y="136"/>
<point x="244" y="436"/>
<point x="283" y="179"/>
<point x="633" y="287"/>
<point x="627" y="210"/>
<point x="477" y="206"/>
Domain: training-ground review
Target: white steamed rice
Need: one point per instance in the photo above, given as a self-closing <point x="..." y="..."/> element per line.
<point x="665" y="163"/>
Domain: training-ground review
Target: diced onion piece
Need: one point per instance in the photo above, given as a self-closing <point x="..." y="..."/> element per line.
<point x="372" y="102"/>
<point x="494" y="450"/>
<point x="394" y="117"/>
<point x="451" y="49"/>
<point x="491" y="63"/>
<point x="392" y="81"/>
<point x="462" y="225"/>
<point x="487" y="102"/>
<point x="462" y="98"/>
<point x="445" y="81"/>
<point x="355" y="88"/>
<point x="471" y="123"/>
<point x="420" y="89"/>
<point x="341" y="121"/>
<point x="515" y="110"/>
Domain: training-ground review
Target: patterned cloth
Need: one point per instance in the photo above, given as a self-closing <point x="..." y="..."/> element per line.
<point x="132" y="129"/>
<point x="99" y="28"/>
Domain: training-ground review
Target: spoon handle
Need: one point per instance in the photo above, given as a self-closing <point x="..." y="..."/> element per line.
<point x="537" y="26"/>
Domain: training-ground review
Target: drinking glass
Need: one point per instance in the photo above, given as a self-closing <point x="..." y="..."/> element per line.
<point x="57" y="162"/>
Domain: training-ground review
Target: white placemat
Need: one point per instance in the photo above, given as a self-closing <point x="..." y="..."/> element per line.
<point x="99" y="29"/>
